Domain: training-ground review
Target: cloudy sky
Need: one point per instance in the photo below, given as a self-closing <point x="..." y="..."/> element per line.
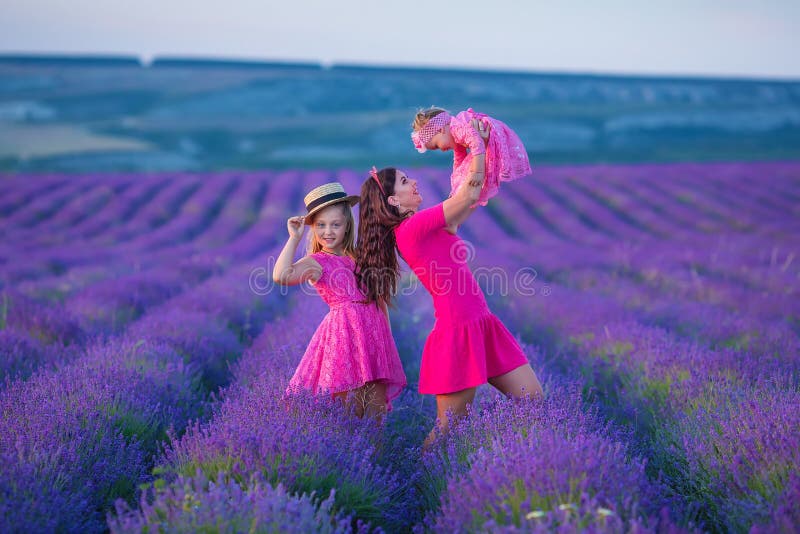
<point x="757" y="38"/>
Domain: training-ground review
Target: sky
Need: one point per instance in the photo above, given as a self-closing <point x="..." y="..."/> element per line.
<point x="757" y="38"/>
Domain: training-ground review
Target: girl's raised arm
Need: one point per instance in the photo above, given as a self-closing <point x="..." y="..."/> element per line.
<point x="287" y="273"/>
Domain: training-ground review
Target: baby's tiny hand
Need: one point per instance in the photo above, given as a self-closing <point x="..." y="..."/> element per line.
<point x="296" y="226"/>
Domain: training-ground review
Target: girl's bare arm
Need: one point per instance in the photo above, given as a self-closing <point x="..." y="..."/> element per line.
<point x="287" y="273"/>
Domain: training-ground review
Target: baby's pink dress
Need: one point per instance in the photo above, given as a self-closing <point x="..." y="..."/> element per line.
<point x="506" y="157"/>
<point x="468" y="344"/>
<point x="353" y="344"/>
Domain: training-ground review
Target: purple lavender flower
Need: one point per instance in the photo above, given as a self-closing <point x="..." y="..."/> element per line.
<point x="517" y="464"/>
<point x="77" y="438"/>
<point x="197" y="504"/>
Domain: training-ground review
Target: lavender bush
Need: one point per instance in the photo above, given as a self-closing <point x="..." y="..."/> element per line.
<point x="197" y="504"/>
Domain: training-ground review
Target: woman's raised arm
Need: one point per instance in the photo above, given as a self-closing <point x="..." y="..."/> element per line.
<point x="461" y="205"/>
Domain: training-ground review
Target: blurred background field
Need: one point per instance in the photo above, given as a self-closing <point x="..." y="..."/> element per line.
<point x="82" y="114"/>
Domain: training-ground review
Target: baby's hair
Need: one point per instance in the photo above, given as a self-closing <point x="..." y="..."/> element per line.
<point x="424" y="115"/>
<point x="349" y="234"/>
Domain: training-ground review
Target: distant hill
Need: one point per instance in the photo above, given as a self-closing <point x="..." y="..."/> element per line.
<point x="116" y="113"/>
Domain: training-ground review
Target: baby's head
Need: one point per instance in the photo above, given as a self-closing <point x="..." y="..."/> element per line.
<point x="332" y="227"/>
<point x="432" y="130"/>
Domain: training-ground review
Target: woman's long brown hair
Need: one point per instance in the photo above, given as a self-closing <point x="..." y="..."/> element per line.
<point x="377" y="269"/>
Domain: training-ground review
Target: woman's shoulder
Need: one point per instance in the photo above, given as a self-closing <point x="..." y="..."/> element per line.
<point x="422" y="221"/>
<point x="421" y="214"/>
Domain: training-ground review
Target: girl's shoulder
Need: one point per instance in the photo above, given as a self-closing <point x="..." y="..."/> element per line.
<point x="329" y="261"/>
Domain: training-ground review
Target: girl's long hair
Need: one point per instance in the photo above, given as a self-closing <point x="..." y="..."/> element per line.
<point x="377" y="268"/>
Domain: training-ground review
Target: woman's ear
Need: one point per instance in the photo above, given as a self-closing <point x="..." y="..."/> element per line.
<point x="393" y="201"/>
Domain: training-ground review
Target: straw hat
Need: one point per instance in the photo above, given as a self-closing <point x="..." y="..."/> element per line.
<point x="324" y="196"/>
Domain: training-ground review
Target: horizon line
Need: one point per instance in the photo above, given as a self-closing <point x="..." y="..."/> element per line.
<point x="210" y="61"/>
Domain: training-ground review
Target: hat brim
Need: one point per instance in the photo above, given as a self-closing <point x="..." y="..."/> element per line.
<point x="350" y="199"/>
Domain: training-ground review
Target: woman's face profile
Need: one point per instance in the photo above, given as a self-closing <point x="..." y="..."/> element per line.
<point x="406" y="196"/>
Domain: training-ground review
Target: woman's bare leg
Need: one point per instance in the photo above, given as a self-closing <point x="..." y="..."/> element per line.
<point x="449" y="406"/>
<point x="518" y="383"/>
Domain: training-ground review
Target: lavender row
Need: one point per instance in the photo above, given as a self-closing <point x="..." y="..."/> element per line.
<point x="521" y="466"/>
<point x="36" y="332"/>
<point x="719" y="424"/>
<point x="774" y="348"/>
<point x="542" y="466"/>
<point x="259" y="439"/>
<point x="193" y="504"/>
<point x="156" y="375"/>
<point x="77" y="438"/>
<point x="259" y="433"/>
<point x="58" y="269"/>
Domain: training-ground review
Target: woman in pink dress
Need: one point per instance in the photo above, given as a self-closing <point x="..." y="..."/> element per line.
<point x="468" y="345"/>
<point x="352" y="354"/>
<point x="505" y="156"/>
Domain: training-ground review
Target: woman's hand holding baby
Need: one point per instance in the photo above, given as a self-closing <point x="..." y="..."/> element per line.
<point x="482" y="126"/>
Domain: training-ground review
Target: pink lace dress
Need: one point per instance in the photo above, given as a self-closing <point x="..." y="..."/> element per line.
<point x="506" y="157"/>
<point x="353" y="344"/>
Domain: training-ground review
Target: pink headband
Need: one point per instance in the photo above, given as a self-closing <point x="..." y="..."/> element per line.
<point x="374" y="173"/>
<point x="431" y="128"/>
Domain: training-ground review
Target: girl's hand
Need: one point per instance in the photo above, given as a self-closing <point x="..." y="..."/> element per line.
<point x="296" y="226"/>
<point x="483" y="126"/>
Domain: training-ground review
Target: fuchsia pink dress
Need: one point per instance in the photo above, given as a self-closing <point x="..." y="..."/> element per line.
<point x="506" y="157"/>
<point x="468" y="344"/>
<point x="353" y="344"/>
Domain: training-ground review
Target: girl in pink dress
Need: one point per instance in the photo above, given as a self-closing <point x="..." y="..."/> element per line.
<point x="505" y="156"/>
<point x="352" y="354"/>
<point x="468" y="345"/>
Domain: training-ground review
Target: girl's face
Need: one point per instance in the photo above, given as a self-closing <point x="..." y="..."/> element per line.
<point x="405" y="197"/>
<point x="330" y="226"/>
<point x="441" y="141"/>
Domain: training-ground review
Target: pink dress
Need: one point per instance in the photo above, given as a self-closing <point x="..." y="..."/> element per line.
<point x="506" y="157"/>
<point x="353" y="344"/>
<point x="468" y="344"/>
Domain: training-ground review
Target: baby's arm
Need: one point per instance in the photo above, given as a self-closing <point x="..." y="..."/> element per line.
<point x="465" y="132"/>
<point x="287" y="273"/>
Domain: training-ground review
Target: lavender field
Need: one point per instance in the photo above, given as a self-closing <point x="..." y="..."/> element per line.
<point x="144" y="354"/>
